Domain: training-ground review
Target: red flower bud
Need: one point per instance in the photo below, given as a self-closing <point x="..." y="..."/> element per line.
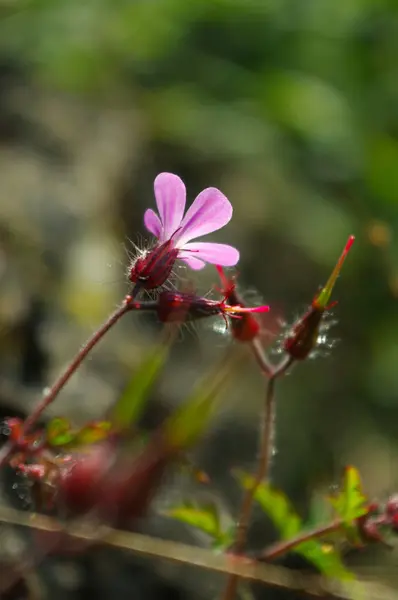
<point x="153" y="269"/>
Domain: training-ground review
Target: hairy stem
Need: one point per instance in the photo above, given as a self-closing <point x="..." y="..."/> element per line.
<point x="261" y="358"/>
<point x="52" y="392"/>
<point x="267" y="435"/>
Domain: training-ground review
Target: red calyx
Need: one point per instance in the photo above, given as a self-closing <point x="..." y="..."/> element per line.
<point x="179" y="306"/>
<point x="303" y="339"/>
<point x="152" y="270"/>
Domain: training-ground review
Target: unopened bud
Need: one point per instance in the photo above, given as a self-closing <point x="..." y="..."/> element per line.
<point x="303" y="337"/>
<point x="153" y="269"/>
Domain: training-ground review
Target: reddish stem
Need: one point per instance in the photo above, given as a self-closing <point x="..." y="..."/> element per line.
<point x="280" y="548"/>
<point x="57" y="386"/>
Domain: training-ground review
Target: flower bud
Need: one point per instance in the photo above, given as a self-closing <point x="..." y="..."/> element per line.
<point x="153" y="269"/>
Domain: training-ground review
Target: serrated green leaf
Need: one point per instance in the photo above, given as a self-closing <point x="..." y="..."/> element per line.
<point x="131" y="403"/>
<point x="275" y="504"/>
<point x="59" y="432"/>
<point x="350" y="503"/>
<point x="205" y="518"/>
<point x="289" y="524"/>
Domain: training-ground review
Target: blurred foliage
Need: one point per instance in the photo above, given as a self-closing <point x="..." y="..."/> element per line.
<point x="279" y="509"/>
<point x="131" y="403"/>
<point x="205" y="518"/>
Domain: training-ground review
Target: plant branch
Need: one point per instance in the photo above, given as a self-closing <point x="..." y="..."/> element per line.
<point x="267" y="435"/>
<point x="242" y="567"/>
<point x="284" y="546"/>
<point x="261" y="358"/>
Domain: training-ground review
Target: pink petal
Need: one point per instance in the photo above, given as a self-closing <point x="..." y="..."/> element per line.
<point x="216" y="254"/>
<point x="170" y="197"/>
<point x="193" y="263"/>
<point x="152" y="222"/>
<point x="210" y="211"/>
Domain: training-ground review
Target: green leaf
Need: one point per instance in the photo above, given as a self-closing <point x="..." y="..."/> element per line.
<point x="205" y="518"/>
<point x="92" y="433"/>
<point x="289" y="524"/>
<point x="325" y="557"/>
<point x="131" y="403"/>
<point x="275" y="504"/>
<point x="59" y="432"/>
<point x="350" y="503"/>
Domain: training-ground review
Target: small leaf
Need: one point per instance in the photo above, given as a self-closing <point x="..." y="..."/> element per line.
<point x="92" y="433"/>
<point x="350" y="504"/>
<point x="275" y="504"/>
<point x="130" y="404"/>
<point x="205" y="518"/>
<point x="59" y="432"/>
<point x="325" y="557"/>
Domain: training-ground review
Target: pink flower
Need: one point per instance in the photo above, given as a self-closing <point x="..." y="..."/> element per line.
<point x="210" y="211"/>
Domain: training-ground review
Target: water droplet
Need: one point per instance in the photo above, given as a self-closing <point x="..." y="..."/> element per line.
<point x="46" y="391"/>
<point x="220" y="327"/>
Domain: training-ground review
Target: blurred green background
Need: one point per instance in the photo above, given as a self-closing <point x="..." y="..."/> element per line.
<point x="291" y="109"/>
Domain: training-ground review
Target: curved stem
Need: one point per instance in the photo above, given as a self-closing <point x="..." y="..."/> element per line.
<point x="267" y="436"/>
<point x="52" y="392"/>
<point x="283" y="547"/>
